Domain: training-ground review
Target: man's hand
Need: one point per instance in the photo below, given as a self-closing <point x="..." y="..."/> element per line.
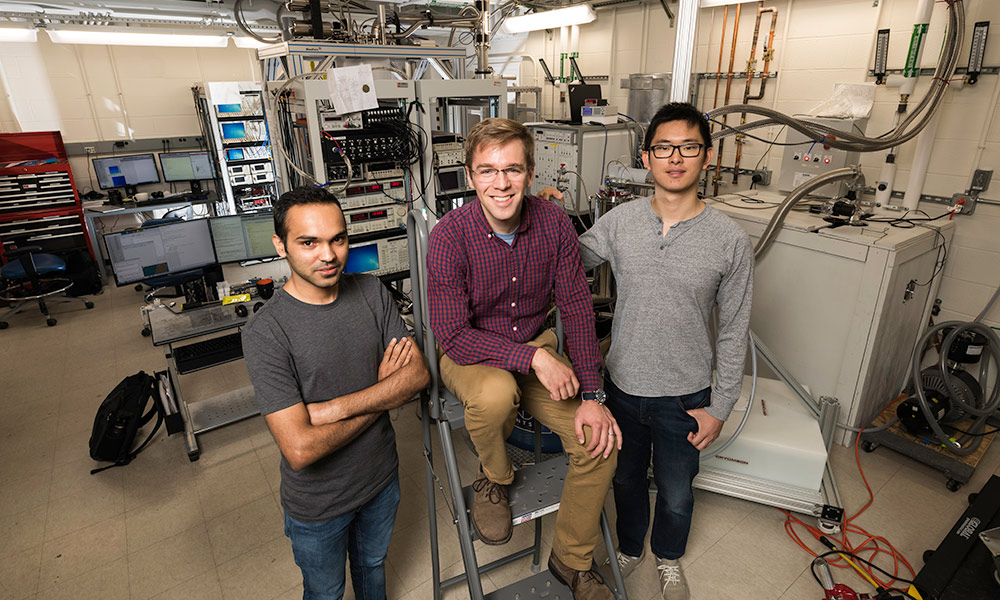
<point x="550" y="193"/>
<point x="708" y="428"/>
<point x="324" y="413"/>
<point x="603" y="428"/>
<point x="554" y="375"/>
<point x="397" y="355"/>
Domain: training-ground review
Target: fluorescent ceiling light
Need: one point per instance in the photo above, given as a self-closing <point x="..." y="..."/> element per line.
<point x="137" y="37"/>
<point x="10" y="34"/>
<point x="243" y="41"/>
<point x="550" y="19"/>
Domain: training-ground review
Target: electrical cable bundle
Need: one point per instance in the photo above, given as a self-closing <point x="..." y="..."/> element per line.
<point x="908" y="129"/>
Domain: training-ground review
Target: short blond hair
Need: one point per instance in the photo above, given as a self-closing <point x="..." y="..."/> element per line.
<point x="497" y="132"/>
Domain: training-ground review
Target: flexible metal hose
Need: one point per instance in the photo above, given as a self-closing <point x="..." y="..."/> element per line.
<point x="982" y="412"/>
<point x="903" y="132"/>
<point x="771" y="231"/>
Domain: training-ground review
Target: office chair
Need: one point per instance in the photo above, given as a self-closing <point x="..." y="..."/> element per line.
<point x="29" y="271"/>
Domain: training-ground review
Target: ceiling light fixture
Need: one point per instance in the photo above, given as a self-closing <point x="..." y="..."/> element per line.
<point x="550" y="19"/>
<point x="137" y="37"/>
<point x="11" y="34"/>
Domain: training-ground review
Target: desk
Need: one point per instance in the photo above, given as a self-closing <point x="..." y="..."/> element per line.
<point x="109" y="210"/>
<point x="167" y="329"/>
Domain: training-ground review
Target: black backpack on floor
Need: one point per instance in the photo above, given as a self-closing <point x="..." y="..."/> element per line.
<point x="121" y="415"/>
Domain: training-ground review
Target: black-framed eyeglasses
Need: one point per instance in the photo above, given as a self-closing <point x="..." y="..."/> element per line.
<point x="690" y="150"/>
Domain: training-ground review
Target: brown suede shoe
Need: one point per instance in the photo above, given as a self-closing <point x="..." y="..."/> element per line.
<point x="585" y="585"/>
<point x="491" y="511"/>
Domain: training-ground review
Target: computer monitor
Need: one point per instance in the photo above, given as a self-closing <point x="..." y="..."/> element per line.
<point x="186" y="166"/>
<point x="579" y="93"/>
<point x="238" y="238"/>
<point x="157" y="251"/>
<point x="126" y="171"/>
<point x="362" y="258"/>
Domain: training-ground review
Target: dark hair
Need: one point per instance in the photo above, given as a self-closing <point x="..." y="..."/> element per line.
<point x="296" y="197"/>
<point x="679" y="111"/>
<point x="497" y="132"/>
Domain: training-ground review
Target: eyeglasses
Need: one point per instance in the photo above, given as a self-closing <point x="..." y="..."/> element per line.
<point x="487" y="174"/>
<point x="667" y="150"/>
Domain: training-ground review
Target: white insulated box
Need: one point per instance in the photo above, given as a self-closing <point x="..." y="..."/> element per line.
<point x="784" y="445"/>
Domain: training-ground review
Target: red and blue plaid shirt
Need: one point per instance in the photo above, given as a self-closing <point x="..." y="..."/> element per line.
<point x="488" y="298"/>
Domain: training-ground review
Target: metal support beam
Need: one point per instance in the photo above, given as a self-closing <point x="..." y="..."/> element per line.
<point x="684" y="45"/>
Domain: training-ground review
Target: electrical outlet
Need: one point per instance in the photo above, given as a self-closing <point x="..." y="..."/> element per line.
<point x="90" y="150"/>
<point x="981" y="181"/>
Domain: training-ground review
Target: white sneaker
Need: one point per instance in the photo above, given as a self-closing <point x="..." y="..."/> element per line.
<point x="626" y="563"/>
<point x="672" y="583"/>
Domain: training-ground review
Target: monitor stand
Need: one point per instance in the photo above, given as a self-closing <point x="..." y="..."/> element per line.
<point x="131" y="191"/>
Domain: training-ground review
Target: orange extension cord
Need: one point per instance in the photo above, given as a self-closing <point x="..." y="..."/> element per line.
<point x="873" y="544"/>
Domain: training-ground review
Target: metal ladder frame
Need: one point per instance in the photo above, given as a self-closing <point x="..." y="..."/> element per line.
<point x="441" y="408"/>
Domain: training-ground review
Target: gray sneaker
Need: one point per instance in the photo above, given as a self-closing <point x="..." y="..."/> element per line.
<point x="626" y="563"/>
<point x="672" y="583"/>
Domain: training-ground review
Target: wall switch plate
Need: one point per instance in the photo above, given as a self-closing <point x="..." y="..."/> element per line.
<point x="981" y="181"/>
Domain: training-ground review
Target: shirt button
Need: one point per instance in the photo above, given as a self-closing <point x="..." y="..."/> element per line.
<point x="513" y="278"/>
<point x="513" y="304"/>
<point x="515" y="328"/>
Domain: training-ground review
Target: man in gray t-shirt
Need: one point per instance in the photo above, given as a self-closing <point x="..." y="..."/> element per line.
<point x="674" y="259"/>
<point x="328" y="355"/>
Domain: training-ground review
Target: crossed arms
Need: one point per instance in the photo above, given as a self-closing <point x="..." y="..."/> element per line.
<point x="306" y="433"/>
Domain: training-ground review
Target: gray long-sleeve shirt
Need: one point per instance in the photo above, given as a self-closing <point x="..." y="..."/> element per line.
<point x="667" y="286"/>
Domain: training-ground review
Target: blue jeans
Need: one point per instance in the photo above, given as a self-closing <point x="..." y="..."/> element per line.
<point x="363" y="534"/>
<point x="661" y="424"/>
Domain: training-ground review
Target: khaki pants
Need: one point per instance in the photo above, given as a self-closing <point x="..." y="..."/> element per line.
<point x="491" y="397"/>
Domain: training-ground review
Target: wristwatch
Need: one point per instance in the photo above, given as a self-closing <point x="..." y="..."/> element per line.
<point x="597" y="396"/>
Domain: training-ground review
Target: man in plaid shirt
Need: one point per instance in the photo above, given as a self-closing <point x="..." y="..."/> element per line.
<point x="494" y="266"/>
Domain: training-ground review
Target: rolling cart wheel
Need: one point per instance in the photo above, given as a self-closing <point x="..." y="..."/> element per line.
<point x="146" y="332"/>
<point x="89" y="304"/>
<point x="869" y="446"/>
<point x="953" y="486"/>
<point x="50" y="322"/>
<point x="193" y="456"/>
<point x="4" y="324"/>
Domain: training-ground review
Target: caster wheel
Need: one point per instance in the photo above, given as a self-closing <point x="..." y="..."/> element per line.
<point x="869" y="446"/>
<point x="89" y="305"/>
<point x="4" y="324"/>
<point x="953" y="486"/>
<point x="193" y="456"/>
<point x="51" y="322"/>
<point x="927" y="556"/>
<point x="146" y="332"/>
<point x="138" y="287"/>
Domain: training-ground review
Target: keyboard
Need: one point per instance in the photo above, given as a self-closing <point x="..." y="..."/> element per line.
<point x="208" y="353"/>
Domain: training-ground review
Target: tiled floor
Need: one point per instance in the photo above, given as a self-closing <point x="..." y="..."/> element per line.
<point x="164" y="527"/>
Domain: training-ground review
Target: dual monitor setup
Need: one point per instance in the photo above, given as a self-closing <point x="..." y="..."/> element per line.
<point x="187" y="246"/>
<point x="137" y="169"/>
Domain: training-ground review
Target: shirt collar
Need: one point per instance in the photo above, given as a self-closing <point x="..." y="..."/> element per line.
<point x="655" y="218"/>
<point x="479" y="215"/>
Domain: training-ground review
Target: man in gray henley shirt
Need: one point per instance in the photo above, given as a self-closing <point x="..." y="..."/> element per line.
<point x="674" y="258"/>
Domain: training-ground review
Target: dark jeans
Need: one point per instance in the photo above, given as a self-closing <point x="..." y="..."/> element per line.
<point x="321" y="549"/>
<point x="661" y="424"/>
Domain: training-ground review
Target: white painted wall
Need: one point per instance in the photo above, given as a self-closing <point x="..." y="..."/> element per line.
<point x="826" y="43"/>
<point x="44" y="86"/>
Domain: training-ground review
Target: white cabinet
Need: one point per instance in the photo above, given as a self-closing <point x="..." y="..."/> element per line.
<point x="841" y="308"/>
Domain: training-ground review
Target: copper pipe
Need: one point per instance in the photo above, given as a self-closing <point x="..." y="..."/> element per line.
<point x="768" y="55"/>
<point x="751" y="64"/>
<point x="718" y="78"/>
<point x="729" y="86"/>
